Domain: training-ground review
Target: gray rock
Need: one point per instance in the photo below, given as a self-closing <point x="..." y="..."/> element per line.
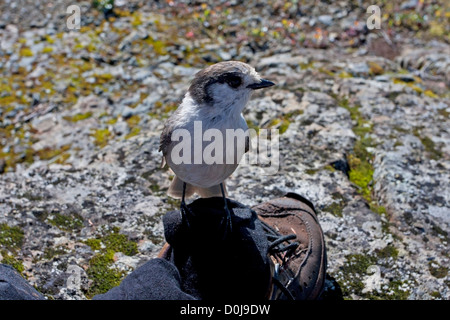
<point x="325" y="19"/>
<point x="9" y="37"/>
<point x="358" y="69"/>
<point x="410" y="4"/>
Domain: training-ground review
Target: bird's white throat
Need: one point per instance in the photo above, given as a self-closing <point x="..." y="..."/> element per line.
<point x="221" y="115"/>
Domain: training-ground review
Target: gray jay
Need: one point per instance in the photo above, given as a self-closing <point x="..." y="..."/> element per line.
<point x="215" y="100"/>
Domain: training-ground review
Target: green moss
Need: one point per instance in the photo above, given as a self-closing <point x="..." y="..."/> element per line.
<point x="356" y="268"/>
<point x="361" y="174"/>
<point x="67" y="223"/>
<point x="352" y="273"/>
<point x="437" y="270"/>
<point x="26" y="52"/>
<point x="78" y="117"/>
<point x="49" y="39"/>
<point x="436" y="294"/>
<point x="103" y="276"/>
<point x="103" y="77"/>
<point x="326" y="71"/>
<point x="173" y="203"/>
<point x="338" y="205"/>
<point x="410" y="83"/>
<point x="62" y="158"/>
<point x="11" y="238"/>
<point x="95" y="244"/>
<point x="274" y="122"/>
<point x="133" y="121"/>
<point x="362" y="126"/>
<point x="155" y="188"/>
<point x="12" y="158"/>
<point x="292" y="114"/>
<point x="284" y="126"/>
<point x="344" y="103"/>
<point x="11" y="261"/>
<point x="387" y="252"/>
<point x="32" y="196"/>
<point x="360" y="161"/>
<point x="375" y="68"/>
<point x="430" y="147"/>
<point x="137" y="19"/>
<point x="378" y="209"/>
<point x="253" y="126"/>
<point x="444" y="113"/>
<point x="431" y="94"/>
<point x="304" y="66"/>
<point x="395" y="291"/>
<point x="345" y="75"/>
<point x="398" y="143"/>
<point x="51" y="252"/>
<point x="159" y="46"/>
<point x="134" y="132"/>
<point x="381" y="210"/>
<point x="120" y="243"/>
<point x="101" y="137"/>
<point x="335" y="208"/>
<point x="428" y="144"/>
<point x="111" y="121"/>
<point x="47" y="50"/>
<point x="311" y="171"/>
<point x="49" y="153"/>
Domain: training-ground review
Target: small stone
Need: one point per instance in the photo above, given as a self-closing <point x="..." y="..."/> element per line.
<point x="325" y="19"/>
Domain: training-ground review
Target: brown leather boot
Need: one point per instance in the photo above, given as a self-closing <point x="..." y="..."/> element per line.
<point x="297" y="247"/>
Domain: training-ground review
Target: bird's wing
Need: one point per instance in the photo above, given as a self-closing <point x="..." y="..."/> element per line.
<point x="165" y="139"/>
<point x="164" y="142"/>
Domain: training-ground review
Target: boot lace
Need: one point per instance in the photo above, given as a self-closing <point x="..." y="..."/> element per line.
<point x="283" y="248"/>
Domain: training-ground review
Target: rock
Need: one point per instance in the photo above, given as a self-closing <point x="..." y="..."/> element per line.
<point x="358" y="69"/>
<point x="141" y="74"/>
<point x="411" y="4"/>
<point x="281" y="60"/>
<point x="186" y="72"/>
<point x="319" y="98"/>
<point x="325" y="19"/>
<point x="10" y="35"/>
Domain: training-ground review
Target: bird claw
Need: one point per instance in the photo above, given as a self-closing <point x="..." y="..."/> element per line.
<point x="228" y="223"/>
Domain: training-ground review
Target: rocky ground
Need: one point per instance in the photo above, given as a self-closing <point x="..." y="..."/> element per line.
<point x="363" y="116"/>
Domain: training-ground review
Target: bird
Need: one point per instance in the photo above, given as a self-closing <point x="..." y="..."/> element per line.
<point x="216" y="98"/>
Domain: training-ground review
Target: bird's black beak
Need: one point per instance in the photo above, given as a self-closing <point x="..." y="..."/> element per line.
<point x="262" y="84"/>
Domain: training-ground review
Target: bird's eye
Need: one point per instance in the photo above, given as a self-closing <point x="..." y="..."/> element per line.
<point x="233" y="81"/>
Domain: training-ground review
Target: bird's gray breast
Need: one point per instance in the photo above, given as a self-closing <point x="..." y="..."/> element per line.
<point x="215" y="148"/>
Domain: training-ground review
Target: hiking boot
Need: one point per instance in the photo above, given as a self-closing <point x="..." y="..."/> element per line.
<point x="296" y="249"/>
